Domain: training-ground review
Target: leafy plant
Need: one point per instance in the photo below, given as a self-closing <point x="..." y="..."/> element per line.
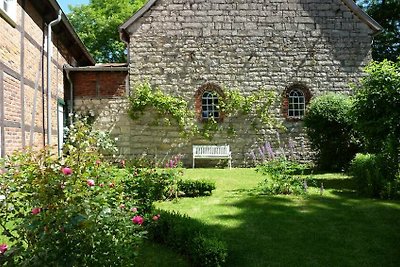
<point x="281" y="179"/>
<point x="69" y="211"/>
<point x="166" y="106"/>
<point x="190" y="238"/>
<point x="376" y="113"/>
<point x="174" y="109"/>
<point x="194" y="188"/>
<point x="369" y="175"/>
<point x="330" y="130"/>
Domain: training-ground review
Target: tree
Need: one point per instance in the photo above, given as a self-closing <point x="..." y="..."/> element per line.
<point x="387" y="13"/>
<point x="376" y="112"/>
<point x="97" y="25"/>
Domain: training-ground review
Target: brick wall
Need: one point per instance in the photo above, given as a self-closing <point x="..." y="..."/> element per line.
<point x="22" y="77"/>
<point x="96" y="84"/>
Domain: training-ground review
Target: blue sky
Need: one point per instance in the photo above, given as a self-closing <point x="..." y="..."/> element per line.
<point x="64" y="4"/>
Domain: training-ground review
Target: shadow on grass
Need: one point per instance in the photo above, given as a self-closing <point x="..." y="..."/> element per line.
<point x="335" y="229"/>
<point x="313" y="231"/>
<point x="334" y="183"/>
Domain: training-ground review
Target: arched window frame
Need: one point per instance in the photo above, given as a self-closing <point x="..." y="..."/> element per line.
<point x="211" y="106"/>
<point x="295" y="100"/>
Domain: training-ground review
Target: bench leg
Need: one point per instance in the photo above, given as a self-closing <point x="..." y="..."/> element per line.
<point x="230" y="163"/>
<point x="193" y="163"/>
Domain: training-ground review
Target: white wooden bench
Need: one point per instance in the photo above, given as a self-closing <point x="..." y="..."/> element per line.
<point x="212" y="152"/>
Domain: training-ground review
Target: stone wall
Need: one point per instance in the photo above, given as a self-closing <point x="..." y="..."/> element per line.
<point x="180" y="45"/>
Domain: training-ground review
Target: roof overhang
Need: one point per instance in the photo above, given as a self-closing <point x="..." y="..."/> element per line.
<point x="64" y="31"/>
<point x="124" y="28"/>
<point x="112" y="67"/>
<point x="364" y="17"/>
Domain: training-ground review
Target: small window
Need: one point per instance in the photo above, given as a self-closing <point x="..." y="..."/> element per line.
<point x="297" y="104"/>
<point x="295" y="100"/>
<point x="8" y="10"/>
<point x="209" y="105"/>
<point x="207" y="100"/>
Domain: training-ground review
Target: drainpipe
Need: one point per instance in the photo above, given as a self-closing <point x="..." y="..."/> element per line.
<point x="49" y="55"/>
<point x="71" y="93"/>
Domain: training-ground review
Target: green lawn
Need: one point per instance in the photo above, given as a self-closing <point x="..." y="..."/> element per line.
<point x="336" y="228"/>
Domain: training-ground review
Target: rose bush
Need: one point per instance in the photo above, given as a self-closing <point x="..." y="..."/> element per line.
<point x="57" y="211"/>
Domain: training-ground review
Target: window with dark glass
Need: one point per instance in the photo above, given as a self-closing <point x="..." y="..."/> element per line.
<point x="209" y="105"/>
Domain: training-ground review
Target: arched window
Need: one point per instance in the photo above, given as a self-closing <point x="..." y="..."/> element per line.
<point x="297" y="104"/>
<point x="209" y="105"/>
<point x="295" y="100"/>
<point x="207" y="100"/>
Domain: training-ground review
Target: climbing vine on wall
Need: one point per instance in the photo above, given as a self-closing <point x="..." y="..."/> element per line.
<point x="256" y="107"/>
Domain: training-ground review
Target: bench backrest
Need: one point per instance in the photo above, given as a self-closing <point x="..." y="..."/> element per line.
<point x="212" y="150"/>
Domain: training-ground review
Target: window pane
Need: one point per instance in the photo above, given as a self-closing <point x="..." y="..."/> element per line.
<point x="296" y="105"/>
<point x="210" y="105"/>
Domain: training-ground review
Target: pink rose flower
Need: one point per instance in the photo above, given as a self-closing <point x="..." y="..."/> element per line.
<point x="66" y="171"/>
<point x="90" y="182"/>
<point x="98" y="162"/>
<point x="112" y="185"/>
<point x="3" y="248"/>
<point x="122" y="206"/>
<point x="123" y="163"/>
<point x="155" y="218"/>
<point x="36" y="211"/>
<point x="134" y="209"/>
<point x="137" y="219"/>
<point x="101" y="185"/>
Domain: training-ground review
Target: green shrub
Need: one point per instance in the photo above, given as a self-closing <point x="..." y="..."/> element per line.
<point x="281" y="179"/>
<point x="368" y="171"/>
<point x="190" y="238"/>
<point x="376" y="113"/>
<point x="196" y="188"/>
<point x="329" y="128"/>
<point x="69" y="211"/>
<point x="148" y="185"/>
<point x="208" y="251"/>
<point x="367" y="175"/>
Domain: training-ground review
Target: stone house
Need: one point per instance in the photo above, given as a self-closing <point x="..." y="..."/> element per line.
<point x="26" y="119"/>
<point x="196" y="49"/>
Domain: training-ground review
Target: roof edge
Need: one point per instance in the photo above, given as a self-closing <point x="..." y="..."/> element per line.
<point x="72" y="31"/>
<point x="364" y="17"/>
<point x="97" y="69"/>
<point x="123" y="28"/>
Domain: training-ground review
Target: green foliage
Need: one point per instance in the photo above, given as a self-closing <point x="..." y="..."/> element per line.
<point x="167" y="107"/>
<point x="81" y="136"/>
<point x="148" y="185"/>
<point x="377" y="114"/>
<point x="97" y="25"/>
<point x="208" y="251"/>
<point x="190" y="238"/>
<point x="329" y="127"/>
<point x="386" y="44"/>
<point x="281" y="179"/>
<point x="257" y="107"/>
<point x="194" y="188"/>
<point x="368" y="171"/>
<point x="70" y="211"/>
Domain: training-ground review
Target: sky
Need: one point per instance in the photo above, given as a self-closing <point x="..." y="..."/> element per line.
<point x="64" y="4"/>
